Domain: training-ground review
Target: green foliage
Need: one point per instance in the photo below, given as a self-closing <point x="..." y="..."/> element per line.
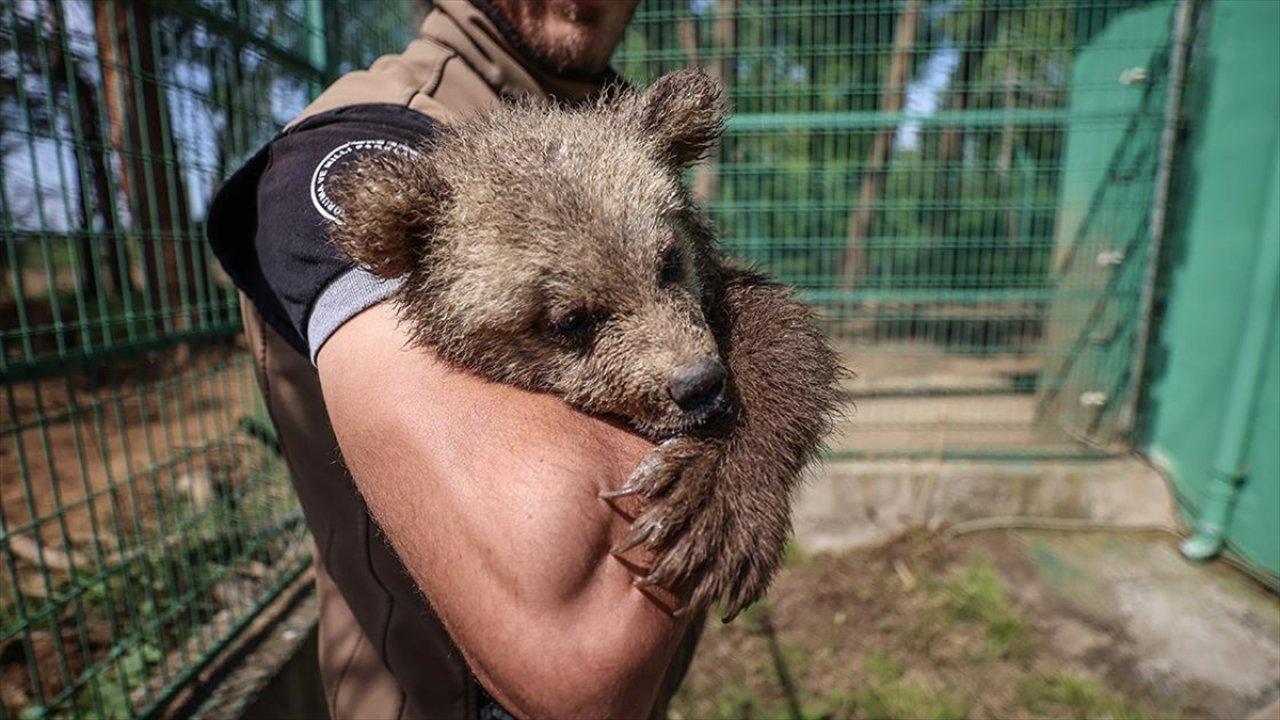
<point x="111" y="695"/>
<point x="970" y="204"/>
<point x="974" y="593"/>
<point x="882" y="668"/>
<point x="948" y="643"/>
<point x="900" y="700"/>
<point x="739" y="702"/>
<point x="793" y="553"/>
<point x="886" y="694"/>
<point x="1065" y="694"/>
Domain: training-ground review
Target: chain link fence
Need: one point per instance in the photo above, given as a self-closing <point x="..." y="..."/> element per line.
<point x="964" y="188"/>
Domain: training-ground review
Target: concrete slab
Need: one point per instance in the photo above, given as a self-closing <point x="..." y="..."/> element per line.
<point x="1131" y="605"/>
<point x="857" y="503"/>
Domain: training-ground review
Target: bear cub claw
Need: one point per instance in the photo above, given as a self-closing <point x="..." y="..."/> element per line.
<point x="688" y="526"/>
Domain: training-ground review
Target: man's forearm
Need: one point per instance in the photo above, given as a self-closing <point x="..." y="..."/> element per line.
<point x="489" y="496"/>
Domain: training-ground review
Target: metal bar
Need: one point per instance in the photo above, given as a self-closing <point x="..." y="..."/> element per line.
<point x="845" y="121"/>
<point x="317" y="44"/>
<point x="192" y="670"/>
<point x="52" y="366"/>
<point x="121" y="392"/>
<point x="1182" y="27"/>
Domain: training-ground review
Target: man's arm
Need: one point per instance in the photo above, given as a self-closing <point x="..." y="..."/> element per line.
<point x="489" y="496"/>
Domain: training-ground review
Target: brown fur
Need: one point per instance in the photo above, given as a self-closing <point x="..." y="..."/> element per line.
<point x="556" y="249"/>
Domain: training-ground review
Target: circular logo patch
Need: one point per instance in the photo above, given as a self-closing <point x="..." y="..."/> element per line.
<point x="342" y="158"/>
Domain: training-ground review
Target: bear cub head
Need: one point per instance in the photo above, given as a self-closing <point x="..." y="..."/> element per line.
<point x="557" y="249"/>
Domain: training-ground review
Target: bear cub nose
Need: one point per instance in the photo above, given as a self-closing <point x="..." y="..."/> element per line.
<point x="698" y="387"/>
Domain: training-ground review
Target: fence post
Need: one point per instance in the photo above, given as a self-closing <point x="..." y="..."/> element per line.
<point x="1159" y="210"/>
<point x="318" y="47"/>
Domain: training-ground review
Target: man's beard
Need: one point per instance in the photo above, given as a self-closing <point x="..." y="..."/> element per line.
<point x="567" y="50"/>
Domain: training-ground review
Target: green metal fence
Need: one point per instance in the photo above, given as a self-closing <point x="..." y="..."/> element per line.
<point x="147" y="516"/>
<point x="965" y="188"/>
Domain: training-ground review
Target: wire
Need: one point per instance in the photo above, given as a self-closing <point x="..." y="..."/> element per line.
<point x="1027" y="522"/>
<point x="1229" y="556"/>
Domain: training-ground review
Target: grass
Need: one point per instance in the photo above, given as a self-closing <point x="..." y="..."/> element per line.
<point x="899" y="699"/>
<point x="915" y="631"/>
<point x="885" y="694"/>
<point x="1069" y="694"/>
<point x="975" y="593"/>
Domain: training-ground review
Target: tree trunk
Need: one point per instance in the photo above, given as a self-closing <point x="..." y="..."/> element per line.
<point x="1004" y="161"/>
<point x="892" y="99"/>
<point x="150" y="176"/>
<point x="706" y="177"/>
<point x="82" y="97"/>
<point x="232" y="102"/>
<point x="688" y="32"/>
<point x="951" y="140"/>
<point x="1005" y="158"/>
<point x="114" y="253"/>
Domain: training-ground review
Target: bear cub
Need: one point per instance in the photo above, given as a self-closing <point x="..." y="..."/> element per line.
<point x="558" y="250"/>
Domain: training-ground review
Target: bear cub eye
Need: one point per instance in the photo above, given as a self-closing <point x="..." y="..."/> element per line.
<point x="576" y="326"/>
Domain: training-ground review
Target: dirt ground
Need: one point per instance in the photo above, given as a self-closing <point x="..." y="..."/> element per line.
<point x="115" y="445"/>
<point x="996" y="625"/>
<point x="113" y="480"/>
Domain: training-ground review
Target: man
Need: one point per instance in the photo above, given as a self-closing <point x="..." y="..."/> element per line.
<point x="486" y="495"/>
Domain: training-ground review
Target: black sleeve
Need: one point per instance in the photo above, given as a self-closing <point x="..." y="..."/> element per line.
<point x="269" y="223"/>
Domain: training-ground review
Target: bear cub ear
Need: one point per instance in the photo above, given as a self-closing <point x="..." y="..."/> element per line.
<point x="684" y="112"/>
<point x="392" y="204"/>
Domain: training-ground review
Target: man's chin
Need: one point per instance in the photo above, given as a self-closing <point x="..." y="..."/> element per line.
<point x="570" y="52"/>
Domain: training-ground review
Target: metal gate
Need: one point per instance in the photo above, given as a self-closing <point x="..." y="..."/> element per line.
<point x="963" y="188"/>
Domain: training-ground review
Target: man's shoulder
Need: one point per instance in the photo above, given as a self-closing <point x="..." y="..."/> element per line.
<point x="269" y="223"/>
<point x="311" y="151"/>
<point x="354" y="122"/>
<point x="307" y="156"/>
<point x="407" y="79"/>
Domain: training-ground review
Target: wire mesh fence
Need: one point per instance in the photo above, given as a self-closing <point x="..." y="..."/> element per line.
<point x="147" y="515"/>
<point x="963" y="187"/>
